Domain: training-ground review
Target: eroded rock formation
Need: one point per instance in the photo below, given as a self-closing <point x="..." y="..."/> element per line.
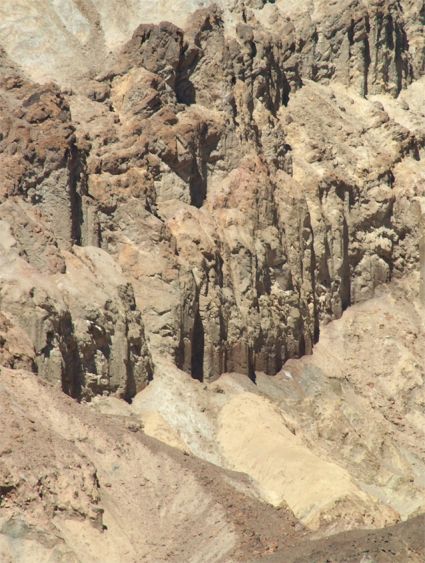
<point x="245" y="193"/>
<point x="207" y="194"/>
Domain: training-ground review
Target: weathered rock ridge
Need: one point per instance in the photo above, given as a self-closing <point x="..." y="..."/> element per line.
<point x="203" y="196"/>
<point x="245" y="193"/>
<point x="76" y="308"/>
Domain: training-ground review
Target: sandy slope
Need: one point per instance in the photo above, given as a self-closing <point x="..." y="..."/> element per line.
<point x="79" y="486"/>
<point x="337" y="435"/>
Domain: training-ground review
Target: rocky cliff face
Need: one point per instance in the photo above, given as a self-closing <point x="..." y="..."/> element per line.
<point x="208" y="193"/>
<point x="244" y="209"/>
<point x="83" y="325"/>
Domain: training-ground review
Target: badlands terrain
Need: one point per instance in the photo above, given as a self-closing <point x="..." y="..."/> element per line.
<point x="212" y="281"/>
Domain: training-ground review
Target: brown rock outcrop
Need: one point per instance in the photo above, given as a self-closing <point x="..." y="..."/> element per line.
<point x="198" y="199"/>
<point x="272" y="226"/>
<point x="268" y="195"/>
<point x="87" y="347"/>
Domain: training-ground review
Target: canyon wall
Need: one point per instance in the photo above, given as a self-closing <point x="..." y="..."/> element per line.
<point x="195" y="198"/>
<point x="223" y="190"/>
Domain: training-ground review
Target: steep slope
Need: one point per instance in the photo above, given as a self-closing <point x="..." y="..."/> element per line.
<point x="76" y="486"/>
<point x="79" y="486"/>
<point x="223" y="198"/>
<point x="270" y="202"/>
<point x="337" y="436"/>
